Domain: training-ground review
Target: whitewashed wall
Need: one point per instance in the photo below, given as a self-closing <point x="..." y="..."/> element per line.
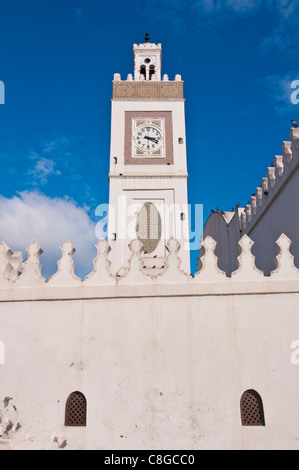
<point x="162" y="362"/>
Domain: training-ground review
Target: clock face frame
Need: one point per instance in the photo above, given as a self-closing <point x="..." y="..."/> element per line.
<point x="148" y="138"/>
<point x="162" y="153"/>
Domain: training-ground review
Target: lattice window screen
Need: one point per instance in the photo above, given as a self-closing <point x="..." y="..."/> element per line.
<point x="252" y="412"/>
<point x="76" y="408"/>
<point x="148" y="227"/>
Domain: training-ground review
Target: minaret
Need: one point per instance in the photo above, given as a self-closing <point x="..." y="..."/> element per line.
<point x="147" y="61"/>
<point x="148" y="169"/>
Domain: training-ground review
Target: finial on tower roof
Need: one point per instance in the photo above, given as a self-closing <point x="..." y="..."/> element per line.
<point x="147" y="39"/>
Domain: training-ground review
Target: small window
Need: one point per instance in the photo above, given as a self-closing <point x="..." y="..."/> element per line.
<point x="143" y="71"/>
<point x="75" y="410"/>
<point x="149" y="227"/>
<point x="151" y="71"/>
<point x="252" y="411"/>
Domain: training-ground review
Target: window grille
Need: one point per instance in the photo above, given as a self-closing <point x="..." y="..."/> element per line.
<point x="75" y="412"/>
<point x="148" y="227"/>
<point x="252" y="412"/>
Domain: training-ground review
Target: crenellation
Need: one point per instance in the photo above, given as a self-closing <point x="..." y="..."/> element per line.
<point x="101" y="273"/>
<point x="65" y="274"/>
<point x="294" y="136"/>
<point x="209" y="261"/>
<point x="173" y="272"/>
<point x="248" y="213"/>
<point x="277" y="174"/>
<point x="5" y="266"/>
<point x="265" y="186"/>
<point x="247" y="269"/>
<point x="147" y="45"/>
<point x="271" y="176"/>
<point x="31" y="272"/>
<point x="286" y="149"/>
<point x="279" y="166"/>
<point x="243" y="220"/>
<point x="134" y="273"/>
<point x="16" y="262"/>
<point x="254" y="206"/>
<point x="284" y="261"/>
<point x="259" y="196"/>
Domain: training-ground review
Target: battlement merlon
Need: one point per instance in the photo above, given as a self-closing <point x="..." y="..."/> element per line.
<point x="282" y="169"/>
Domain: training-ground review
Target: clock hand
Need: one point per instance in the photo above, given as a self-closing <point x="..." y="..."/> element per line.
<point x="151" y="138"/>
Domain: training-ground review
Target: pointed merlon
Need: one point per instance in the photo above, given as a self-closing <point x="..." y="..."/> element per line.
<point x="210" y="271"/>
<point x="134" y="273"/>
<point x="284" y="261"/>
<point x="31" y="275"/>
<point x="5" y="266"/>
<point x="101" y="273"/>
<point x="247" y="269"/>
<point x="173" y="272"/>
<point x="65" y="275"/>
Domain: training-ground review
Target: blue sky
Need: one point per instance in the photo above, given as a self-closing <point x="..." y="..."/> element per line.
<point x="57" y="60"/>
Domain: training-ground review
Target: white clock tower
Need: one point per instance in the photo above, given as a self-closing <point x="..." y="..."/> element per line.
<point x="148" y="171"/>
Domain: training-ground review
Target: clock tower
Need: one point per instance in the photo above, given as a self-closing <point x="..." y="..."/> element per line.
<point x="148" y="171"/>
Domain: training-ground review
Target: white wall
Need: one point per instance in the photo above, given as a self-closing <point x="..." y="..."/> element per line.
<point x="158" y="373"/>
<point x="162" y="362"/>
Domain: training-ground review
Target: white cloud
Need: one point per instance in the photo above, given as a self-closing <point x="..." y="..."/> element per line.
<point x="283" y="17"/>
<point x="201" y="8"/>
<point x="45" y="157"/>
<point x="44" y="167"/>
<point x="61" y="152"/>
<point x="238" y="6"/>
<point x="285" y="8"/>
<point x="33" y="216"/>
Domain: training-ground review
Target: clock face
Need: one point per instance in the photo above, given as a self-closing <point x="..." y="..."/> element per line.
<point x="148" y="138"/>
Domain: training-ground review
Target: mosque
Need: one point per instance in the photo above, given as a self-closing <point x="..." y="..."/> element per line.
<point x="141" y="354"/>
